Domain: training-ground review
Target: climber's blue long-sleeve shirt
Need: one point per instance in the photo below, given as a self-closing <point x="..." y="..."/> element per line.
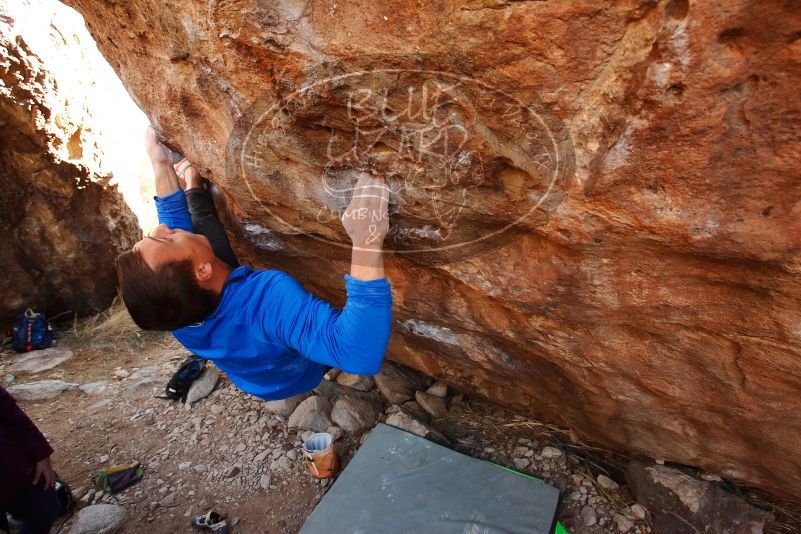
<point x="273" y="338"/>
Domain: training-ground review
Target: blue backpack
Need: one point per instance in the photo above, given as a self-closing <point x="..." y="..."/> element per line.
<point x="31" y="332"/>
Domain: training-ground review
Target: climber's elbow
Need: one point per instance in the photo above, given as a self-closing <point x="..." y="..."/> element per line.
<point x="365" y="358"/>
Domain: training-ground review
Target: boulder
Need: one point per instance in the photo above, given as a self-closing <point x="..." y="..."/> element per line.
<point x="357" y="382"/>
<point x="312" y="414"/>
<point x="285" y="407"/>
<point x="62" y="221"/>
<point x="609" y="239"/>
<point x="99" y="519"/>
<point x="41" y="390"/>
<point x="355" y="416"/>
<point x="39" y="360"/>
<point x="397" y="383"/>
<point x="682" y="504"/>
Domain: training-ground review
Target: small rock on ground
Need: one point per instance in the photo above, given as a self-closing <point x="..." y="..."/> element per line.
<point x="39" y="360"/>
<point x="397" y="383"/>
<point x="265" y="481"/>
<point x="433" y="405"/>
<point x="355" y="416"/>
<point x="406" y="422"/>
<point x="624" y="524"/>
<point x="204" y="385"/>
<point x="94" y="388"/>
<point x="312" y="414"/>
<point x="438" y="389"/>
<point x="588" y="516"/>
<point x="357" y="382"/>
<point x="285" y="407"/>
<point x="551" y="452"/>
<point x="41" y="390"/>
<point x="607" y="483"/>
<point x="99" y="519"/>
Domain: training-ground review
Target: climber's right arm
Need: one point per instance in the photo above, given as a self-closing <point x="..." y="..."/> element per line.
<point x="170" y="199"/>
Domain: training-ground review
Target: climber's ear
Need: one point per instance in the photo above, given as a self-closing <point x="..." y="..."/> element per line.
<point x="203" y="272"/>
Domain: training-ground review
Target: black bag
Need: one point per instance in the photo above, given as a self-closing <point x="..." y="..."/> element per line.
<point x="178" y="386"/>
<point x="65" y="498"/>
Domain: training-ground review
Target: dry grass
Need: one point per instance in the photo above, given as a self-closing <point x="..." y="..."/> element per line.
<point x="787" y="513"/>
<point x="113" y="327"/>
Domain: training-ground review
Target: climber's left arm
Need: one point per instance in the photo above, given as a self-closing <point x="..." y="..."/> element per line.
<point x="354" y="339"/>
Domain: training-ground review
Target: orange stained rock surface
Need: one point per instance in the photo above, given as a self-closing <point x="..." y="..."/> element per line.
<point x="596" y="205"/>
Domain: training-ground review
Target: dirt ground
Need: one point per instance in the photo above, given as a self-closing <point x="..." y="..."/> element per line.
<point x="225" y="452"/>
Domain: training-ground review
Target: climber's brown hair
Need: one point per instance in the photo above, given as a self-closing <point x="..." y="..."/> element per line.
<point x="164" y="299"/>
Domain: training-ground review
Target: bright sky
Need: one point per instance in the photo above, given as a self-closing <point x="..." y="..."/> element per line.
<point x="90" y="97"/>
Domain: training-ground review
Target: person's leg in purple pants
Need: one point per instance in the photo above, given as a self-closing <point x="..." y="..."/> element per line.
<point x="36" y="508"/>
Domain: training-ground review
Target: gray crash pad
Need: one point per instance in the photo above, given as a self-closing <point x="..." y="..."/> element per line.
<point x="399" y="483"/>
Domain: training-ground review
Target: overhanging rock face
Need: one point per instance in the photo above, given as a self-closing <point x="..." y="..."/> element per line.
<point x="596" y="208"/>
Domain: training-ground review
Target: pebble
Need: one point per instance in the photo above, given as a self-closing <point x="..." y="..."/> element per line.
<point x="439" y="389"/>
<point x="588" y="516"/>
<point x="624" y="524"/>
<point x="551" y="452"/>
<point x="521" y="463"/>
<point x="607" y="483"/>
<point x="232" y="471"/>
<point x="639" y="511"/>
<point x="265" y="481"/>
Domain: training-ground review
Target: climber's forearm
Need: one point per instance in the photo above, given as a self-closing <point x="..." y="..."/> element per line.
<point x="161" y="159"/>
<point x="166" y="179"/>
<point x="367" y="264"/>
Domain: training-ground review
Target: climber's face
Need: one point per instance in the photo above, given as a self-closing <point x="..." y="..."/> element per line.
<point x="165" y="245"/>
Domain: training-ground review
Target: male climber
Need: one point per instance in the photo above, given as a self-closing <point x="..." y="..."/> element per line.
<point x="271" y="337"/>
